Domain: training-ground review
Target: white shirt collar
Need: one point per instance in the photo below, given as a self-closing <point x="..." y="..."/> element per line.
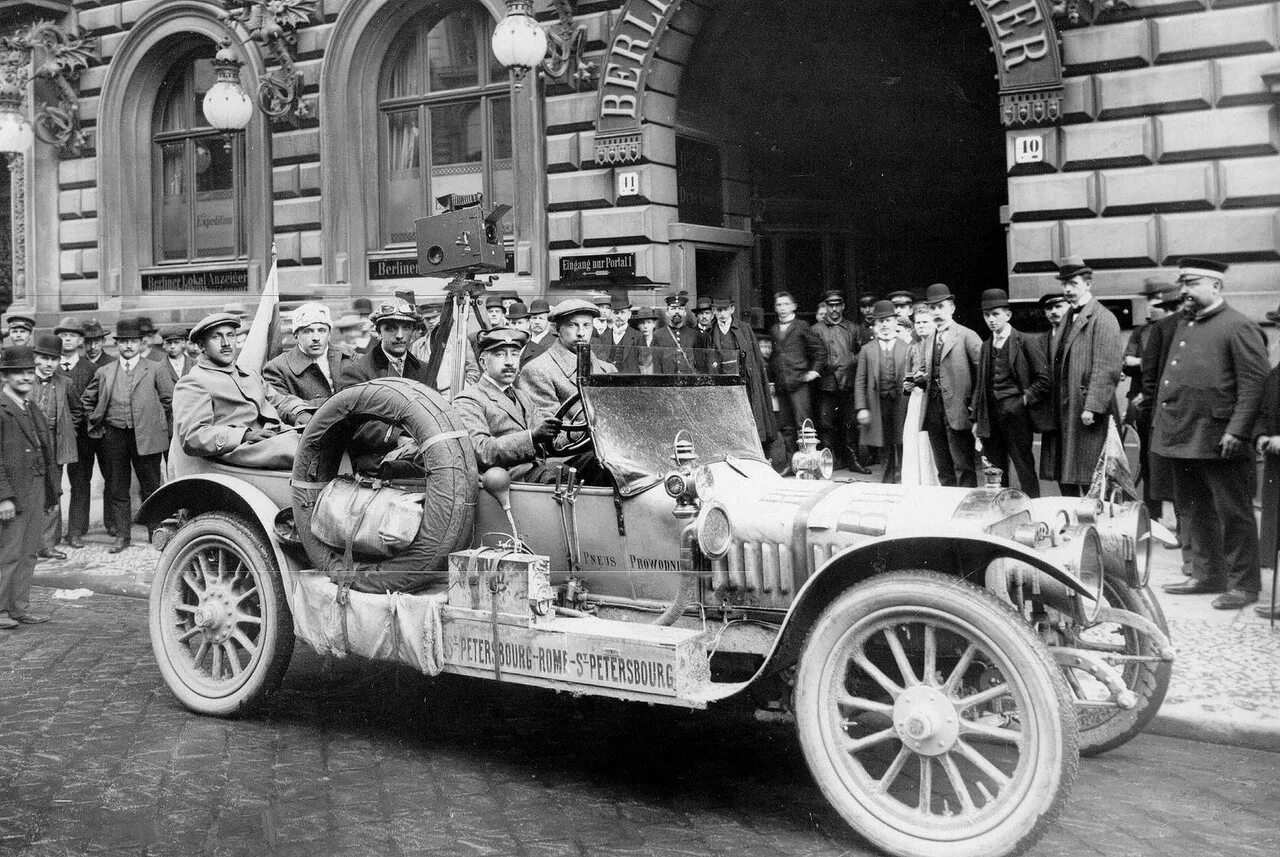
<point x="131" y="363"/>
<point x="71" y="359"/>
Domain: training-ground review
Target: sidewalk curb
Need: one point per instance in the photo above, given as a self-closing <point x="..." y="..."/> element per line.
<point x="1175" y="721"/>
<point x="126" y="585"/>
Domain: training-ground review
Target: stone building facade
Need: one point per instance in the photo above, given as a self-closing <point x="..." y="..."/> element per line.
<point x="1139" y="133"/>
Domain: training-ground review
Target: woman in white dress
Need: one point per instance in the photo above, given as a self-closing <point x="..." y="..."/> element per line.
<point x="918" y="467"/>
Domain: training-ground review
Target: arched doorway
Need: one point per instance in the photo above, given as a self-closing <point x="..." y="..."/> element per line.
<point x="859" y="145"/>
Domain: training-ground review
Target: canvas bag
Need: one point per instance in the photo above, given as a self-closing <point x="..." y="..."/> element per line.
<point x="374" y="518"/>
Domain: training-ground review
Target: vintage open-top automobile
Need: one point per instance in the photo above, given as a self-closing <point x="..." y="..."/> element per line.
<point x="946" y="654"/>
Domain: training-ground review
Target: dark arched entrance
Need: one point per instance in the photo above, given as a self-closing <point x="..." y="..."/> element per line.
<point x="866" y="137"/>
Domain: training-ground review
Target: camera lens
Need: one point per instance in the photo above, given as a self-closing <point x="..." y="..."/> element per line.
<point x="435" y="254"/>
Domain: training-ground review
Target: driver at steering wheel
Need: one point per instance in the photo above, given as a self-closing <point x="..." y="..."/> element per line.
<point x="551" y="378"/>
<point x="507" y="429"/>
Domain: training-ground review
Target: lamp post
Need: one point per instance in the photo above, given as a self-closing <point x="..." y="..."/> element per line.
<point x="227" y="106"/>
<point x="523" y="45"/>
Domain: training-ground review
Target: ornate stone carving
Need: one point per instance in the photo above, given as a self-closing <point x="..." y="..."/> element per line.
<point x="18" y="225"/>
<point x="619" y="147"/>
<point x="1076" y="13"/>
<point x="567" y="44"/>
<point x="274" y="25"/>
<point x="1020" y="109"/>
<point x="58" y="56"/>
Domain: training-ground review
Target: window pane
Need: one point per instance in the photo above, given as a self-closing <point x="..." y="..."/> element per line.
<point x="204" y="80"/>
<point x="215" y="197"/>
<point x="452" y="47"/>
<point x="402" y="186"/>
<point x="457" y="149"/>
<point x="504" y="190"/>
<point x="404" y="77"/>
<point x="173" y="202"/>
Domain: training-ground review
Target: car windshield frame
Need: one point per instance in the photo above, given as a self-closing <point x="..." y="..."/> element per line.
<point x="634" y="420"/>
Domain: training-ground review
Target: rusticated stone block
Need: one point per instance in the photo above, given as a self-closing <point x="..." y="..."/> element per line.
<point x="1117" y="46"/>
<point x="284" y="182"/>
<point x="71" y="264"/>
<point x="311" y="244"/>
<point x="291" y="147"/>
<point x="1246" y="235"/>
<point x="584" y="189"/>
<point x="1239" y="79"/>
<point x="564" y="229"/>
<point x="1053" y="196"/>
<point x="301" y="213"/>
<point x="1249" y="181"/>
<point x="1204" y="134"/>
<point x="634" y="224"/>
<point x="1222" y="32"/>
<point x="1155" y="90"/>
<point x="1034" y="246"/>
<point x="664" y="76"/>
<point x="288" y="247"/>
<point x="563" y="154"/>
<point x="1078" y="102"/>
<point x="1129" y="142"/>
<point x="78" y="233"/>
<point x="572" y="112"/>
<point x="1174" y="187"/>
<point x="88" y="202"/>
<point x="1112" y="242"/>
<point x="77" y="172"/>
<point x="657" y="184"/>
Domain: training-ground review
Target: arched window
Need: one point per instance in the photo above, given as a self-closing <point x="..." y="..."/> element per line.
<point x="197" y="172"/>
<point x="444" y="118"/>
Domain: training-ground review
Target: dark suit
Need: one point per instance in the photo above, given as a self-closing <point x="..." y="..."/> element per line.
<point x="620" y="349"/>
<point x="883" y="402"/>
<point x="1212" y="386"/>
<point x="796" y="352"/>
<point x="948" y="399"/>
<point x="138" y="446"/>
<point x="1155" y="353"/>
<point x="28" y="479"/>
<point x="80" y="474"/>
<point x="1004" y="419"/>
<point x="532" y="349"/>
<point x="683" y="341"/>
<point x="656" y="357"/>
<point x="187" y="363"/>
<point x="63" y="415"/>
<point x="298" y="375"/>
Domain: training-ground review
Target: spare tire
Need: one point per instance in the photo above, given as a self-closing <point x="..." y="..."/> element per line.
<point x="449" y="488"/>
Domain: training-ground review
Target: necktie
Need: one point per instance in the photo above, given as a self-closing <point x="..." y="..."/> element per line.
<point x="398" y="365"/>
<point x="511" y="394"/>
<point x="66" y="365"/>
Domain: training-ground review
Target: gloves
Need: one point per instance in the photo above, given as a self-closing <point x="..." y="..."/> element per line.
<point x="546" y="432"/>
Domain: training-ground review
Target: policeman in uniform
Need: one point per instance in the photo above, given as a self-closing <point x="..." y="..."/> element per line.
<point x="28" y="485"/>
<point x="20" y="328"/>
<point x="677" y="335"/>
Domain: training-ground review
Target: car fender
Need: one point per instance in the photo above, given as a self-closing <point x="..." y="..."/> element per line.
<point x="216" y="492"/>
<point x="948" y="554"/>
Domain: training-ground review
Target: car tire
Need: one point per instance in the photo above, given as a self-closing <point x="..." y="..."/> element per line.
<point x="979" y="679"/>
<point x="1103" y="729"/>
<point x="220" y="626"/>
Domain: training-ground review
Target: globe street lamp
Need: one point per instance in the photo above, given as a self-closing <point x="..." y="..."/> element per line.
<point x="16" y="134"/>
<point x="227" y="107"/>
<point x="523" y="45"/>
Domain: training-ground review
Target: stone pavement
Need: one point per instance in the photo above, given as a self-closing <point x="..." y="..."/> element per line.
<point x="354" y="758"/>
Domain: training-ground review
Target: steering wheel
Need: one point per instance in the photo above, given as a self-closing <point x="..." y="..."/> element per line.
<point x="577" y="434"/>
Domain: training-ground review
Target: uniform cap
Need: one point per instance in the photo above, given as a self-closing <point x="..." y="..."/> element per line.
<point x="1052" y="297"/>
<point x="209" y="322"/>
<point x="680" y="298"/>
<point x="1190" y="269"/>
<point x="722" y="303"/>
<point x="601" y="300"/>
<point x="902" y="294"/>
<point x="868" y="300"/>
<point x="18" y="320"/>
<point x="500" y="337"/>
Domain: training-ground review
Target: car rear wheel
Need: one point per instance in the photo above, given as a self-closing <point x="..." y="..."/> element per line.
<point x="932" y="718"/>
<point x="220" y="626"/>
<point x="1105" y="728"/>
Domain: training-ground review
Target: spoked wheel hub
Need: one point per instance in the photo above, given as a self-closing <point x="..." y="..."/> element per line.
<point x="926" y="720"/>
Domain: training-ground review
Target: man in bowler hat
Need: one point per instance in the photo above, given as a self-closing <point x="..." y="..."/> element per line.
<point x="129" y="406"/>
<point x="877" y="389"/>
<point x="540" y="333"/>
<point x="619" y="342"/>
<point x="1204" y="417"/>
<point x="51" y="392"/>
<point x="79" y="370"/>
<point x="1011" y="388"/>
<point x="29" y="487"/>
<point x="950" y="368"/>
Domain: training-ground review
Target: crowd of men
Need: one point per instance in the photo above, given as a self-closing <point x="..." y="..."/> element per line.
<point x="904" y="375"/>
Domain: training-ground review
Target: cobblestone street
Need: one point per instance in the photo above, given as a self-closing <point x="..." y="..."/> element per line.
<point x="354" y="758"/>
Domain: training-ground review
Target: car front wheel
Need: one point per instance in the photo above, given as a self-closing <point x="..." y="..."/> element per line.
<point x="220" y="627"/>
<point x="932" y="718"/>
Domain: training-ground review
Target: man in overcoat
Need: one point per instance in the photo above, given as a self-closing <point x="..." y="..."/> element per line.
<point x="877" y="390"/>
<point x="95" y="340"/>
<point x="653" y="355"/>
<point x="799" y="356"/>
<point x="507" y="429"/>
<point x="552" y="378"/>
<point x="311" y="369"/>
<point x="79" y="370"/>
<point x="225" y="412"/>
<point x="619" y="342"/>
<point x="540" y="333"/>
<point x="129" y="407"/>
<point x="678" y="335"/>
<point x="951" y="365"/>
<point x="1085" y="369"/>
<point x="51" y="393"/>
<point x="731" y="349"/>
<point x="394" y="320"/>
<point x="1204" y="418"/>
<point x="28" y="485"/>
<point x="1012" y="380"/>
<point x="842" y="338"/>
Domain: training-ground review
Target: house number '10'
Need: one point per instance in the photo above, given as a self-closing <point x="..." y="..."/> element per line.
<point x="1028" y="150"/>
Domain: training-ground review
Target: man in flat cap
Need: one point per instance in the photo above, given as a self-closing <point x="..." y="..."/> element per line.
<point x="677" y="334"/>
<point x="618" y="343"/>
<point x="176" y="360"/>
<point x="79" y="370"/>
<point x="29" y="486"/>
<point x="798" y="358"/>
<point x="843" y="339"/>
<point x="552" y="378"/>
<point x="1085" y="370"/>
<point x="730" y="348"/>
<point x="95" y="340"/>
<point x="129" y="407"/>
<point x="225" y="412"/>
<point x="1205" y="411"/>
<point x="540" y="334"/>
<point x="311" y="369"/>
<point x="1012" y="384"/>
<point x="507" y="428"/>
<point x="950" y="368"/>
<point x="21" y="327"/>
